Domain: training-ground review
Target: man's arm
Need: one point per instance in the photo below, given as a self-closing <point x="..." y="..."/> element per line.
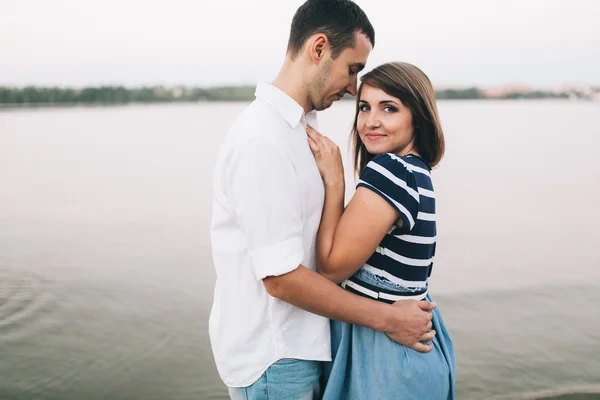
<point x="406" y="321"/>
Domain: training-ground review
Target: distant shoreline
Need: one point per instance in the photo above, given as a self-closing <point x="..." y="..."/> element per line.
<point x="31" y="96"/>
<point x="31" y="106"/>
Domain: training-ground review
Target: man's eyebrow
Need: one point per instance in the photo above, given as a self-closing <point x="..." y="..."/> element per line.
<point x="358" y="66"/>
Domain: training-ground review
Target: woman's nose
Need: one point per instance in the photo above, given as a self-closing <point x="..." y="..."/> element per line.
<point x="373" y="120"/>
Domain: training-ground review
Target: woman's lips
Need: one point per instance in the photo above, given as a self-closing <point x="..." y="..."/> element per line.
<point x="373" y="136"/>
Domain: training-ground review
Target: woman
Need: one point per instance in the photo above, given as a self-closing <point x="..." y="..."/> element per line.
<point x="382" y="245"/>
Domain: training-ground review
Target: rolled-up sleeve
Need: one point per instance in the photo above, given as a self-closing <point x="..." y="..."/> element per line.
<point x="263" y="190"/>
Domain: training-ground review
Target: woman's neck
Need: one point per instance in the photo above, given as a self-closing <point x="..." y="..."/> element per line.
<point x="410" y="149"/>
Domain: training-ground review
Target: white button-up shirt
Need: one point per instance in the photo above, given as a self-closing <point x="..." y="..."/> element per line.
<point x="267" y="203"/>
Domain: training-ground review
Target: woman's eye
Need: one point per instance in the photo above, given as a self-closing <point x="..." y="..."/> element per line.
<point x="363" y="108"/>
<point x="389" y="109"/>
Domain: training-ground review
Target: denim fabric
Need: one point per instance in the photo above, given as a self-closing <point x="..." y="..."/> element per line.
<point x="367" y="277"/>
<point x="286" y="379"/>
<point x="367" y="364"/>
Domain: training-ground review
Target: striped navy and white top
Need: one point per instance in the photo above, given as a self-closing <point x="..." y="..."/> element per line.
<point x="406" y="253"/>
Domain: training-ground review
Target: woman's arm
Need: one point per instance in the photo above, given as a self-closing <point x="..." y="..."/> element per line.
<point x="346" y="239"/>
<point x="332" y="214"/>
<point x="344" y="247"/>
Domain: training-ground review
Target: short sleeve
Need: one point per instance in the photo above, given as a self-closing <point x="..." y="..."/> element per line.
<point x="389" y="176"/>
<point x="263" y="191"/>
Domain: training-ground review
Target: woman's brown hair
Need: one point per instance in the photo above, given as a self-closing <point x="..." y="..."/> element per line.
<point x="409" y="84"/>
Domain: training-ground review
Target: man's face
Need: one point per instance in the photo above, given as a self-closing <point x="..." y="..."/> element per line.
<point x="337" y="77"/>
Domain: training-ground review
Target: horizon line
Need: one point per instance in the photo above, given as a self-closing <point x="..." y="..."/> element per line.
<point x="441" y="86"/>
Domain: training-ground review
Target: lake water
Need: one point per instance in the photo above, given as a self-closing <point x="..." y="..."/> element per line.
<point x="106" y="274"/>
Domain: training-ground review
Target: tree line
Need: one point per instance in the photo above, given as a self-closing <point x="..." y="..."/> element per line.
<point x="122" y="95"/>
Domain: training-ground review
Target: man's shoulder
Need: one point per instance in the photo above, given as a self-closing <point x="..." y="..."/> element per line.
<point x="257" y="121"/>
<point x="258" y="114"/>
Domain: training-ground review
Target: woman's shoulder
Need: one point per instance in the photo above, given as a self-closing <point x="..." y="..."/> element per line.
<point x="398" y="165"/>
<point x="416" y="161"/>
<point x="388" y="169"/>
<point x="389" y="176"/>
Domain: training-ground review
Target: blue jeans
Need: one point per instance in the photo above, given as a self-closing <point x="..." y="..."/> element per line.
<point x="286" y="379"/>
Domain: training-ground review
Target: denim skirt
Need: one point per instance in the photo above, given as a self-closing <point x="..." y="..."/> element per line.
<point x="367" y="364"/>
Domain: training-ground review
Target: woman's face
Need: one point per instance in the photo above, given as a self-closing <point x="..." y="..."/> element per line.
<point x="384" y="124"/>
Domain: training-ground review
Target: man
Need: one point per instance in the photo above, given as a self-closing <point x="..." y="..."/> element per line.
<point x="269" y="324"/>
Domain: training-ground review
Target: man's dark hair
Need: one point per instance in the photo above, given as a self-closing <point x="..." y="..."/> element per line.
<point x="339" y="20"/>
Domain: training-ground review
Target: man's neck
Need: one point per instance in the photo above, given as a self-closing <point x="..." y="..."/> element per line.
<point x="289" y="81"/>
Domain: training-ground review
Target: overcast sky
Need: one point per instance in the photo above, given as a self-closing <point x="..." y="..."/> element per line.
<point x="224" y="42"/>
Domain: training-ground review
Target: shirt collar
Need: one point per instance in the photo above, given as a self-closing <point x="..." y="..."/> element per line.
<point x="287" y="107"/>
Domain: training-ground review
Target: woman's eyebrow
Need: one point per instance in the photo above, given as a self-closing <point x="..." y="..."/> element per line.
<point x="381" y="102"/>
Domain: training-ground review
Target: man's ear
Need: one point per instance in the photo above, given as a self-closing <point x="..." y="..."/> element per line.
<point x="318" y="48"/>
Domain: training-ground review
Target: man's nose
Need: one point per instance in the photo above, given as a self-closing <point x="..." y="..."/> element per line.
<point x="351" y="88"/>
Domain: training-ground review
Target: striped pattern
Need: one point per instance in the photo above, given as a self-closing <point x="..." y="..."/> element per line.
<point x="406" y="254"/>
<point x="393" y="181"/>
<point x="364" y="289"/>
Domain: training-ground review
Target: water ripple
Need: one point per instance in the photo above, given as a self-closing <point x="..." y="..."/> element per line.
<point x="590" y="392"/>
<point x="25" y="299"/>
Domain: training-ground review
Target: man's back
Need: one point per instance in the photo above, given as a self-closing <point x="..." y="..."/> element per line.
<point x="267" y="203"/>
